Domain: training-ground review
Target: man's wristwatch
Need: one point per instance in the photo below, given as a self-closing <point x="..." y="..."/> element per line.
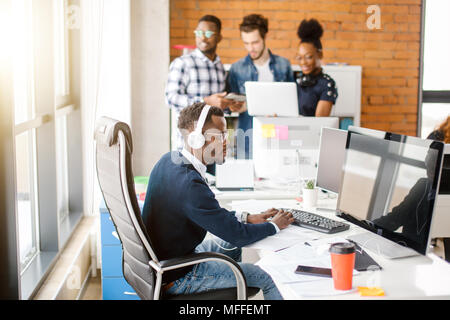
<point x="244" y="217"/>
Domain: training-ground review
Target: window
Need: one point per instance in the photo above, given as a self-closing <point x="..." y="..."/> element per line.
<point x="26" y="197"/>
<point x="25" y="143"/>
<point x="432" y="115"/>
<point x="437" y="47"/>
<point x="61" y="37"/>
<point x="47" y="133"/>
<point x="62" y="98"/>
<point x="436" y="66"/>
<point x="45" y="77"/>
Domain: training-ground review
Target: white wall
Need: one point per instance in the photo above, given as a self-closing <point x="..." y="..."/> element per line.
<point x="150" y="58"/>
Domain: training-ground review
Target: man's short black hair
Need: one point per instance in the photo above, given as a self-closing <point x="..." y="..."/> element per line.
<point x="189" y="116"/>
<point x="213" y="19"/>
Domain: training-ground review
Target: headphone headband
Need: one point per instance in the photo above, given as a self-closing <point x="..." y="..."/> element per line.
<point x="196" y="139"/>
<point x="202" y="118"/>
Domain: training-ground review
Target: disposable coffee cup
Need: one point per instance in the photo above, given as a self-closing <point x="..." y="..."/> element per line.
<point x="342" y="264"/>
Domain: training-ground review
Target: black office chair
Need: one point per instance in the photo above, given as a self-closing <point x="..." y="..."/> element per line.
<point x="141" y="267"/>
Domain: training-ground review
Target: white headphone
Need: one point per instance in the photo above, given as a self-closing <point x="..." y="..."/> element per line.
<point x="196" y="139"/>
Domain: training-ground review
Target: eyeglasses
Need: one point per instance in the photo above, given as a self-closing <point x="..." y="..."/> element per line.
<point x="299" y="57"/>
<point x="222" y="136"/>
<point x="208" y="34"/>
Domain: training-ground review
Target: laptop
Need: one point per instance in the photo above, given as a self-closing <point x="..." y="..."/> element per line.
<point x="235" y="175"/>
<point x="269" y="98"/>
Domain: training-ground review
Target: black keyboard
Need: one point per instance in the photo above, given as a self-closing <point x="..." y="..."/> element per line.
<point x="315" y="222"/>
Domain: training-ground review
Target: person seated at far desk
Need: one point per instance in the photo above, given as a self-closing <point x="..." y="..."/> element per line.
<point x="442" y="132"/>
<point x="413" y="213"/>
<point x="317" y="91"/>
<point x="180" y="209"/>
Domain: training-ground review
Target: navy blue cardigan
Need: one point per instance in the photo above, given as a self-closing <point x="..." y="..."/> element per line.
<point x="180" y="208"/>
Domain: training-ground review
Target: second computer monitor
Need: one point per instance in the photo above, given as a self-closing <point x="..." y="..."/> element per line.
<point x="331" y="159"/>
<point x="288" y="148"/>
<point x="389" y="186"/>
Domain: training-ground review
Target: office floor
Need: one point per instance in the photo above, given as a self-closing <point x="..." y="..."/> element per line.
<point x="93" y="290"/>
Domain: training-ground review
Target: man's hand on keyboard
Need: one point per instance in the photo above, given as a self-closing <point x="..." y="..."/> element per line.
<point x="262" y="217"/>
<point x="283" y="219"/>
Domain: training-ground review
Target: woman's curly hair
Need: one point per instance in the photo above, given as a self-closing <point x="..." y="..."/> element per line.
<point x="310" y="31"/>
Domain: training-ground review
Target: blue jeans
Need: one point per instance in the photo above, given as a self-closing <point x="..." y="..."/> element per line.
<point x="216" y="275"/>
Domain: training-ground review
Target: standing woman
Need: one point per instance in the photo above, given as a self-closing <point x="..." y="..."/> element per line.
<point x="317" y="91"/>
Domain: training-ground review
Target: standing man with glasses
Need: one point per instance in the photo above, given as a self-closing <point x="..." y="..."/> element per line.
<point x="200" y="75"/>
<point x="259" y="65"/>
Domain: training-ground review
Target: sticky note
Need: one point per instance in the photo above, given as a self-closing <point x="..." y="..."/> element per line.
<point x="370" y="291"/>
<point x="268" y="131"/>
<point x="282" y="132"/>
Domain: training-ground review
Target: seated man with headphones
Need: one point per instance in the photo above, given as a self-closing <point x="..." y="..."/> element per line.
<point x="180" y="209"/>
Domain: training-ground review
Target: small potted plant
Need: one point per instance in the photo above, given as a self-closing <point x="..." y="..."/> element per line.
<point x="309" y="194"/>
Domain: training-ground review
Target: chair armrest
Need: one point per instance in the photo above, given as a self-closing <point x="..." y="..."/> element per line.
<point x="196" y="258"/>
<point x="193" y="258"/>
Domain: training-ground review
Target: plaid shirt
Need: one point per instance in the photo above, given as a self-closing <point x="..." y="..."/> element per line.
<point x="193" y="77"/>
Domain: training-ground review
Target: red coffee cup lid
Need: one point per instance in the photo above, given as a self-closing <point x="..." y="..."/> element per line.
<point x="342" y="248"/>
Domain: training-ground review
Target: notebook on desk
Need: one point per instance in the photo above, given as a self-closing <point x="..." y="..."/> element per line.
<point x="363" y="261"/>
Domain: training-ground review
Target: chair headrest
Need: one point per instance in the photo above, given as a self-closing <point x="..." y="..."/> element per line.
<point x="107" y="129"/>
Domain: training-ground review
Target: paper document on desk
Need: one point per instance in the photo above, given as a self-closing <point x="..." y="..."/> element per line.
<point x="301" y="254"/>
<point x="273" y="243"/>
<point x="281" y="265"/>
<point x="284" y="239"/>
<point x="308" y="255"/>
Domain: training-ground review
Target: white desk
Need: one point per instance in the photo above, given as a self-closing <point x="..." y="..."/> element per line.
<point x="226" y="198"/>
<point x="419" y="277"/>
<point x="261" y="192"/>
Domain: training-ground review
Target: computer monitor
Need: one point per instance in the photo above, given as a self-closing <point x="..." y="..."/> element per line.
<point x="269" y="98"/>
<point x="389" y="185"/>
<point x="331" y="159"/>
<point x="287" y="148"/>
